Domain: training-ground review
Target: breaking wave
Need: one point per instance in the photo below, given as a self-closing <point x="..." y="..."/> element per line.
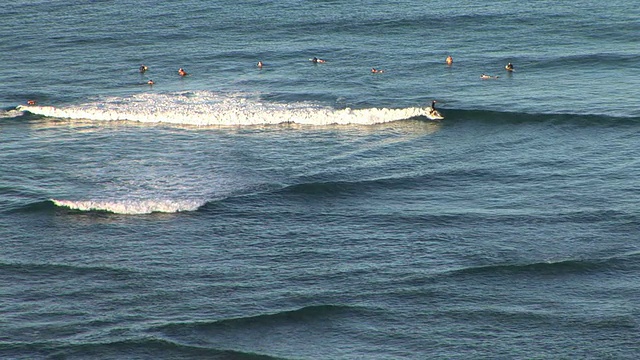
<point x="132" y="207"/>
<point x="204" y="108"/>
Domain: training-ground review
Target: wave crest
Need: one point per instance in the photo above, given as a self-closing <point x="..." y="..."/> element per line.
<point x="626" y="262"/>
<point x="304" y="315"/>
<point x="214" y="109"/>
<point x="132" y="207"/>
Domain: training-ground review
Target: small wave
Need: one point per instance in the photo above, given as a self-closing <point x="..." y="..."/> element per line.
<point x="147" y="347"/>
<point x="241" y="331"/>
<point x="302" y="315"/>
<point x="52" y="269"/>
<point x="131" y="207"/>
<point x="408" y="180"/>
<point x="506" y="117"/>
<point x="324" y="188"/>
<point x="35" y="207"/>
<point x="213" y="109"/>
<point x="589" y="59"/>
<point x="553" y="268"/>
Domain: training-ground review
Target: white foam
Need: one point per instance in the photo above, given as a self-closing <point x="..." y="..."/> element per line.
<point x="205" y="108"/>
<point x="131" y="207"/>
<point x="10" y="113"/>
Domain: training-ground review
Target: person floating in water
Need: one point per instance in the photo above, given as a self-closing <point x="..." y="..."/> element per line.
<point x="449" y="60"/>
<point x="376" y="71"/>
<point x="143" y="68"/>
<point x="181" y="72"/>
<point x="316" y="60"/>
<point x="485" y="76"/>
<point x="509" y="67"/>
<point x="150" y="82"/>
<point x="260" y="64"/>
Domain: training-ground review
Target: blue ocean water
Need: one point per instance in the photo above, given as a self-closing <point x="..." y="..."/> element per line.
<point x="313" y="211"/>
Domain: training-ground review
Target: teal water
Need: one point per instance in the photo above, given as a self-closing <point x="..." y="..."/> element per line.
<point x="312" y="211"/>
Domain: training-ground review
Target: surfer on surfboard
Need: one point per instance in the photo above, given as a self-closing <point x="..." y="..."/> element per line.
<point x="376" y="71"/>
<point x="433" y="108"/>
<point x="432" y="113"/>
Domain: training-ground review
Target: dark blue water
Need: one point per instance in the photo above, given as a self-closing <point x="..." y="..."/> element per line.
<point x="313" y="211"/>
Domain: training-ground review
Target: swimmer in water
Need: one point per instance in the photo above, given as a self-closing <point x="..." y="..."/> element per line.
<point x="509" y="67"/>
<point x="181" y="72"/>
<point x="449" y="60"/>
<point x="31" y="102"/>
<point x="316" y="60"/>
<point x="376" y="71"/>
<point x="260" y="64"/>
<point x="485" y="76"/>
<point x="143" y="68"/>
<point x="150" y="82"/>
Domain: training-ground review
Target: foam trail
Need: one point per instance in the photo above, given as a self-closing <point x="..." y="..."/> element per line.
<point x="10" y="113"/>
<point x="132" y="207"/>
<point x="206" y="109"/>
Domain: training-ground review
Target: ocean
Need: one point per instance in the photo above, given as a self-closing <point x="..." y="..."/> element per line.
<point x="312" y="210"/>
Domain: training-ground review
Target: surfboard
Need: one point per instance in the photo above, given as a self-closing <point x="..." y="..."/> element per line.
<point x="433" y="114"/>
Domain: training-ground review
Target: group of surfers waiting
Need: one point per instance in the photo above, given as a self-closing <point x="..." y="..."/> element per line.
<point x="449" y="60"/>
<point x="509" y="67"/>
<point x="144" y="68"/>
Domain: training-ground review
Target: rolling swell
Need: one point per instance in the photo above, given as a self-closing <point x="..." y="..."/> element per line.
<point x="628" y="262"/>
<point x="305" y="315"/>
<point x="40" y="270"/>
<point x="500" y="117"/>
<point x="45" y="206"/>
<point x="142" y="348"/>
<point x="264" y="333"/>
<point x="618" y="61"/>
<point x="432" y="284"/>
<point x="407" y="181"/>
